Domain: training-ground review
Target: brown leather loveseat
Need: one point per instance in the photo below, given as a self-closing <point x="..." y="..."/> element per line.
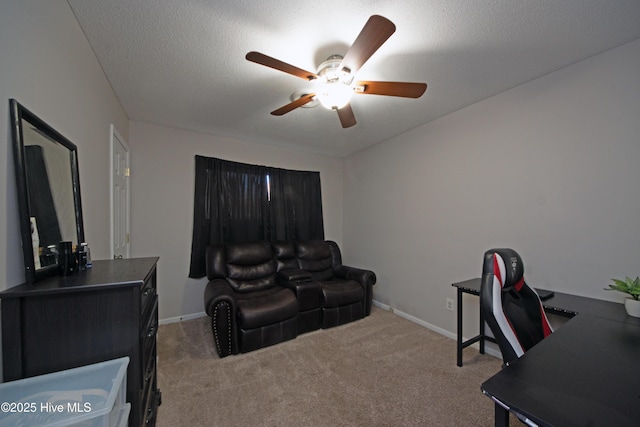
<point x="262" y="293"/>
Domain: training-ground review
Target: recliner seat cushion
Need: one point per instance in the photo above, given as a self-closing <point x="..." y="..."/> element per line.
<point x="336" y="293"/>
<point x="261" y="308"/>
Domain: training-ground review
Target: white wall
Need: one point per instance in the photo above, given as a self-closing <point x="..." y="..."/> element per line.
<point x="162" y="187"/>
<point x="48" y="66"/>
<point x="549" y="168"/>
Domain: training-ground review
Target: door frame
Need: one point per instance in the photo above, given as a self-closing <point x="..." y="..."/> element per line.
<point x="113" y="135"/>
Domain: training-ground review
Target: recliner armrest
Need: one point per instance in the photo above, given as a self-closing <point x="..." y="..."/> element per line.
<point x="364" y="277"/>
<point x="294" y="276"/>
<point x="308" y="293"/>
<point x="220" y="305"/>
<point x="218" y="290"/>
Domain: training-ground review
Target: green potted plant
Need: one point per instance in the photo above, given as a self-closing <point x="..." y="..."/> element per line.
<point x="631" y="287"/>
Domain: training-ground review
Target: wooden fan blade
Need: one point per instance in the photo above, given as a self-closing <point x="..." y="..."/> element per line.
<point x="375" y="32"/>
<point x="293" y="105"/>
<point x="345" y="114"/>
<point x="262" y="59"/>
<point x="407" y="90"/>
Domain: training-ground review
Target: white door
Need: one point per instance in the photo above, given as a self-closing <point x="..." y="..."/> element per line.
<point x="120" y="237"/>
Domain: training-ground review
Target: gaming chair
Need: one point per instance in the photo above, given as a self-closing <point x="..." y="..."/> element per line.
<point x="511" y="308"/>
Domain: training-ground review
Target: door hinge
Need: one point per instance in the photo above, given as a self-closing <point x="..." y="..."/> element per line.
<point x="127" y="172"/>
<point x="127" y="238"/>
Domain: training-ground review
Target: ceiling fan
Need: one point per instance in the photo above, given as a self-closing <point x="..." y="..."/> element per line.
<point x="334" y="78"/>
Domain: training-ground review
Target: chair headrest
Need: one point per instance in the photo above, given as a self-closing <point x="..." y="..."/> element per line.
<point x="250" y="253"/>
<point x="511" y="271"/>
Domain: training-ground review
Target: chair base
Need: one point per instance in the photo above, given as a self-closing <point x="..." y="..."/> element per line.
<point x="254" y="339"/>
<point x="335" y="316"/>
<point x="309" y="320"/>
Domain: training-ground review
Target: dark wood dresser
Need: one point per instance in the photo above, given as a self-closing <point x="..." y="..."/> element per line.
<point x="104" y="312"/>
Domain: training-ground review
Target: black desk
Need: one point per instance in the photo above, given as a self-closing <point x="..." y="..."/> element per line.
<point x="471" y="286"/>
<point x="562" y="304"/>
<point x="584" y="374"/>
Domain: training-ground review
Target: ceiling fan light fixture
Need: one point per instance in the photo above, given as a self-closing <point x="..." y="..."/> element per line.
<point x="334" y="90"/>
<point x="334" y="95"/>
<point x="330" y="71"/>
<point x="333" y="84"/>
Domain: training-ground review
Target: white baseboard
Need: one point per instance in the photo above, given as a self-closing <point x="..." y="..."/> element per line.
<point x="416" y="320"/>
<point x="181" y="318"/>
<point x="491" y="351"/>
<point x="437" y="329"/>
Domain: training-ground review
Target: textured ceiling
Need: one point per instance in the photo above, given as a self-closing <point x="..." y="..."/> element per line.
<point x="181" y="63"/>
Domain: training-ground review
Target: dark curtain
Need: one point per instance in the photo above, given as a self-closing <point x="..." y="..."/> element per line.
<point x="243" y="200"/>
<point x="230" y="206"/>
<point x="296" y="205"/>
<point x="41" y="205"/>
<point x="237" y="202"/>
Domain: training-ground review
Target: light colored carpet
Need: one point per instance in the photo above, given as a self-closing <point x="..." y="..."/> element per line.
<point x="379" y="371"/>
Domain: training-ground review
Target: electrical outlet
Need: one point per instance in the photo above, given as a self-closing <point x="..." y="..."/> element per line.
<point x="450" y="304"/>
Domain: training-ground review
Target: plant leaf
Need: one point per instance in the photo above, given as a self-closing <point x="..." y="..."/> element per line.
<point x="628" y="286"/>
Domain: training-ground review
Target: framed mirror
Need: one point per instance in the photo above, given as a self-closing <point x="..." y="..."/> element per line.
<point x="50" y="210"/>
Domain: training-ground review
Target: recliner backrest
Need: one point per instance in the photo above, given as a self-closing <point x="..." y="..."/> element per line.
<point x="512" y="309"/>
<point x="215" y="263"/>
<point x="285" y="253"/>
<point x="316" y="258"/>
<point x="250" y="267"/>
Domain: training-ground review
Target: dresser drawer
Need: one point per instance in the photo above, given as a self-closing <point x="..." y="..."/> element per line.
<point x="149" y="386"/>
<point x="149" y="331"/>
<point x="149" y="371"/>
<point x="147" y="293"/>
<point x="150" y="408"/>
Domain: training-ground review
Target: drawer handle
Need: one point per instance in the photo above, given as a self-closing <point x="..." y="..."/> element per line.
<point x="150" y="414"/>
<point x="148" y="375"/>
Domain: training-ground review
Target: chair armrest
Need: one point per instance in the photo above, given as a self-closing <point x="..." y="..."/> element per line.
<point x="220" y="305"/>
<point x="294" y="276"/>
<point x="364" y="277"/>
<point x="217" y="291"/>
<point x="308" y="293"/>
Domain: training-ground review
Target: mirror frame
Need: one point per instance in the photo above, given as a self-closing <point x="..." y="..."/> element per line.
<point x="18" y="114"/>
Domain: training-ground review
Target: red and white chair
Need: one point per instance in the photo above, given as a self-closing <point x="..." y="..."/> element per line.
<point x="511" y="308"/>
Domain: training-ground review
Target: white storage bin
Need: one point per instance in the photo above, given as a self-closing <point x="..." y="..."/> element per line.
<point x="88" y="396"/>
